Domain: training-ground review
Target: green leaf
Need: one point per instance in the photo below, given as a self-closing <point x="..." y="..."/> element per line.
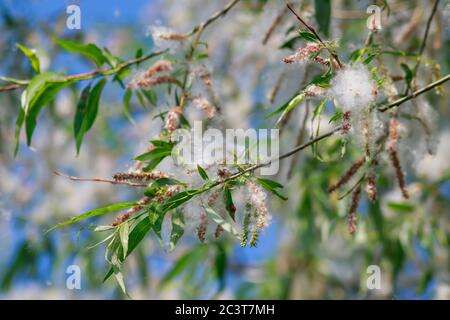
<point x="87" y="110"/>
<point x="19" y="124"/>
<point x="156" y="153"/>
<point x="41" y="90"/>
<point x="31" y="55"/>
<point x="409" y="75"/>
<point x="221" y="265"/>
<point x="136" y="236"/>
<point x="96" y="212"/>
<point x="182" y="264"/>
<point x="272" y="187"/>
<point x="112" y="60"/>
<point x="323" y="15"/>
<point x="151" y="96"/>
<point x="177" y="228"/>
<point x="202" y="173"/>
<point x="229" y="205"/>
<point x="401" y="207"/>
<point x="291" y="105"/>
<point x="124" y="231"/>
<point x="308" y="36"/>
<point x="178" y="199"/>
<point x="127" y="106"/>
<point x="90" y="51"/>
<point x="227" y="226"/>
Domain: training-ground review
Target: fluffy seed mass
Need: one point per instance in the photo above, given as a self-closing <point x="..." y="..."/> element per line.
<point x="353" y="88"/>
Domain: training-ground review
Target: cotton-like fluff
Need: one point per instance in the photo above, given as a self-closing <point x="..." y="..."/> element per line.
<point x="434" y="166"/>
<point x="353" y="88"/>
<point x="165" y="38"/>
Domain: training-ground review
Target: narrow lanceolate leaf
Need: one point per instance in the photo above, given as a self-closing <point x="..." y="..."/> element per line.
<point x="41" y="90"/>
<point x="229" y="205"/>
<point x="178" y="199"/>
<point x="323" y="15"/>
<point x="31" y="55"/>
<point x="96" y="212"/>
<point x="124" y="231"/>
<point x="177" y="228"/>
<point x="90" y="51"/>
<point x="221" y="265"/>
<point x="19" y="124"/>
<point x="127" y="106"/>
<point x="183" y="263"/>
<point x="308" y="36"/>
<point x="202" y="173"/>
<point x="272" y="187"/>
<point x="291" y="105"/>
<point x="87" y="110"/>
<point x="136" y="236"/>
<point x="227" y="226"/>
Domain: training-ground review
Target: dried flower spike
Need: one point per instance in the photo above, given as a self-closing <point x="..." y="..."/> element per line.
<point x="205" y="106"/>
<point x="348" y="175"/>
<point x="139" y="176"/>
<point x="173" y="119"/>
<point x="352" y="214"/>
<point x="393" y="156"/>
<point x="303" y="53"/>
<point x="127" y="214"/>
<point x="160" y="66"/>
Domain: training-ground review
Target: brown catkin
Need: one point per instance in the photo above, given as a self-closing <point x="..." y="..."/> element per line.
<point x="202" y="226"/>
<point x="205" y="106"/>
<point x="371" y="187"/>
<point x="160" y="66"/>
<point x="127" y="214"/>
<point x="303" y="53"/>
<point x="314" y="91"/>
<point x="145" y="83"/>
<point x="218" y="232"/>
<point x="346" y="126"/>
<point x="173" y="36"/>
<point x="348" y="175"/>
<point x="393" y="156"/>
<point x="352" y="214"/>
<point x="173" y="119"/>
<point x="139" y="176"/>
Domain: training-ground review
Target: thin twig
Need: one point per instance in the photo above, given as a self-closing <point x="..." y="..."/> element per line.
<point x="73" y="178"/>
<point x="427" y="29"/>
<point x="414" y="94"/>
<point x="214" y="17"/>
<point x="274" y="25"/>
<point x="314" y="32"/>
<point x="425" y="38"/>
<point x="90" y="74"/>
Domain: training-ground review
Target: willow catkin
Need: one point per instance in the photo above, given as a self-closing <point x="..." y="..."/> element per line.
<point x="348" y="175"/>
<point x="303" y="53"/>
<point x="172" y="119"/>
<point x="204" y="105"/>
<point x="346" y="126"/>
<point x="202" y="227"/>
<point x="393" y="156"/>
<point x="158" y="67"/>
<point x="139" y="176"/>
<point x="371" y="187"/>
<point x="128" y="213"/>
<point x="352" y="214"/>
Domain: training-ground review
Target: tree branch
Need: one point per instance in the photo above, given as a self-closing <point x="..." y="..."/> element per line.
<point x="73" y="178"/>
<point x="86" y="75"/>
<point x="414" y="94"/>
<point x="313" y="31"/>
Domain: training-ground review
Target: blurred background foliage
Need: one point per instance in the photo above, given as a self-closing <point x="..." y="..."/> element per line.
<point x="305" y="253"/>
